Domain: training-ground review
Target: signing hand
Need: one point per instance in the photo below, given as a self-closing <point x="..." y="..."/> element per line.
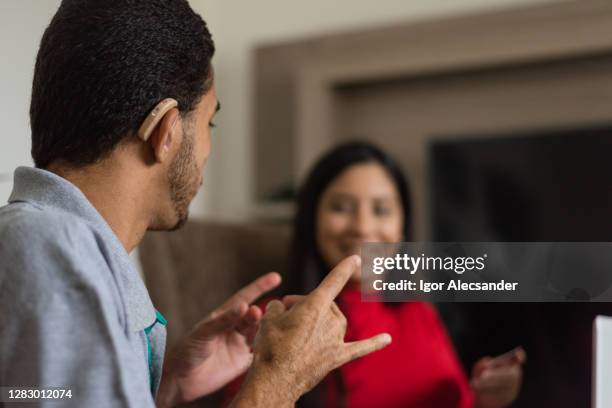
<point x="300" y="340"/>
<point x="497" y="381"/>
<point x="218" y="348"/>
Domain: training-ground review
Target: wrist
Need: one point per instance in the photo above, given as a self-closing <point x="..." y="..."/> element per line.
<point x="266" y="386"/>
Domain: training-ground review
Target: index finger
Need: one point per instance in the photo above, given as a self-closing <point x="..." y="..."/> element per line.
<point x="333" y="283"/>
<point x="253" y="290"/>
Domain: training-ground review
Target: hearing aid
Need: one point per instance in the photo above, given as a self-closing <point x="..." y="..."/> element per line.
<point x="155" y="116"/>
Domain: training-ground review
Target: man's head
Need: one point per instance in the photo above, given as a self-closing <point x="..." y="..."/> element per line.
<point x="103" y="65"/>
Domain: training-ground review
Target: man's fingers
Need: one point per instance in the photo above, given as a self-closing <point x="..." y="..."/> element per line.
<point x="290" y="300"/>
<point x="333" y="283"/>
<point x="219" y="322"/>
<point x="274" y="308"/>
<point x="254" y="289"/>
<point x="360" y="348"/>
<point x="250" y="321"/>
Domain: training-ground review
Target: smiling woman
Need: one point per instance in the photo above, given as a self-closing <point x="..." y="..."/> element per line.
<point x="355" y="194"/>
<point x="360" y="205"/>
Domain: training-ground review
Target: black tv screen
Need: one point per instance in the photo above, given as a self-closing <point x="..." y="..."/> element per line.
<point x="535" y="186"/>
<point x="551" y="185"/>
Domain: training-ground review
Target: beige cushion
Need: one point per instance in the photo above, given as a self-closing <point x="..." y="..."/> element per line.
<point x="191" y="271"/>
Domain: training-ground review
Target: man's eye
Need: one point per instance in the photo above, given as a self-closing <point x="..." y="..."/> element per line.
<point x="211" y="125"/>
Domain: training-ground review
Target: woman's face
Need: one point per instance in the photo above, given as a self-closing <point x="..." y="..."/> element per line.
<point x="361" y="205"/>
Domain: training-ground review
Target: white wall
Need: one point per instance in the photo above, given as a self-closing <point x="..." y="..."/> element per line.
<point x="22" y="23"/>
<point x="239" y="26"/>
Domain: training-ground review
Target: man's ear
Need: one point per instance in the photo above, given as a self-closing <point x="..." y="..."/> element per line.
<point x="166" y="136"/>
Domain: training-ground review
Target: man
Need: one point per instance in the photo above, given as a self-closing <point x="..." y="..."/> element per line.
<point x="123" y="99"/>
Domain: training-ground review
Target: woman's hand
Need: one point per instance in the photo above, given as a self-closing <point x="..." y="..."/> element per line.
<point x="497" y="381"/>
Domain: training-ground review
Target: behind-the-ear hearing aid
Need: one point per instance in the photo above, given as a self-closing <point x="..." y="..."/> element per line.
<point x="155" y="116"/>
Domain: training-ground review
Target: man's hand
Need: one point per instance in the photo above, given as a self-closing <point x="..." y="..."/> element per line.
<point x="218" y="348"/>
<point x="297" y="346"/>
<point x="497" y="381"/>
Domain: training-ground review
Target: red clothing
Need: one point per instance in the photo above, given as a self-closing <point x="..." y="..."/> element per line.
<point x="419" y="369"/>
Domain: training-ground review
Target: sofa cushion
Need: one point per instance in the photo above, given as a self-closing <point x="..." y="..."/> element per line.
<point x="191" y="271"/>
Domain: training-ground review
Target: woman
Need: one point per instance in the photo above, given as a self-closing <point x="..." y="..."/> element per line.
<point x="356" y="193"/>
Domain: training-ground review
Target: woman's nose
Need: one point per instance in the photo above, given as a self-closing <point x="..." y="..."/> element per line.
<point x="364" y="224"/>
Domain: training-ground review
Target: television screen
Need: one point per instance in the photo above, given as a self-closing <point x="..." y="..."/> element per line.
<point x="551" y="185"/>
<point x="540" y="186"/>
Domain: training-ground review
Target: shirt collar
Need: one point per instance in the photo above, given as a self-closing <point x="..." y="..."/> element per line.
<point x="44" y="189"/>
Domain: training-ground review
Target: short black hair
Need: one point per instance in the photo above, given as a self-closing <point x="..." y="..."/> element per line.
<point x="104" y="64"/>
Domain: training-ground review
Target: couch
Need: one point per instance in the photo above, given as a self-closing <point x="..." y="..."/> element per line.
<point x="191" y="271"/>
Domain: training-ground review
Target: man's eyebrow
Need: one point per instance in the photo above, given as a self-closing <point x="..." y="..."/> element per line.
<point x="218" y="108"/>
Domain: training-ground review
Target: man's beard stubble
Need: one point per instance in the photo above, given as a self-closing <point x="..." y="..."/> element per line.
<point x="183" y="179"/>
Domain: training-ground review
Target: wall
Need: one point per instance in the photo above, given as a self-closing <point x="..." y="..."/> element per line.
<point x="237" y="27"/>
<point x="22" y="23"/>
<point x="21" y="26"/>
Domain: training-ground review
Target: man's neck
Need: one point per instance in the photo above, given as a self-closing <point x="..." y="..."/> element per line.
<point x="116" y="193"/>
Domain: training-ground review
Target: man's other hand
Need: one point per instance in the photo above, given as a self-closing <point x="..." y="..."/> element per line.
<point x="218" y="348"/>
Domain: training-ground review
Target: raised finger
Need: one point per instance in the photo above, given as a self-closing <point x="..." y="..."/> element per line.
<point x="250" y="319"/>
<point x="253" y="290"/>
<point x="221" y="322"/>
<point x="250" y="323"/>
<point x="333" y="283"/>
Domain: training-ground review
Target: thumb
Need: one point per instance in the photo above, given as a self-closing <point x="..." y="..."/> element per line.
<point x="357" y="349"/>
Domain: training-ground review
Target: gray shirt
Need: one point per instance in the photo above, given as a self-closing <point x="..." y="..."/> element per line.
<point x="73" y="309"/>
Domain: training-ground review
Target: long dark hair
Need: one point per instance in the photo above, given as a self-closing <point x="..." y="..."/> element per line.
<point x="306" y="265"/>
